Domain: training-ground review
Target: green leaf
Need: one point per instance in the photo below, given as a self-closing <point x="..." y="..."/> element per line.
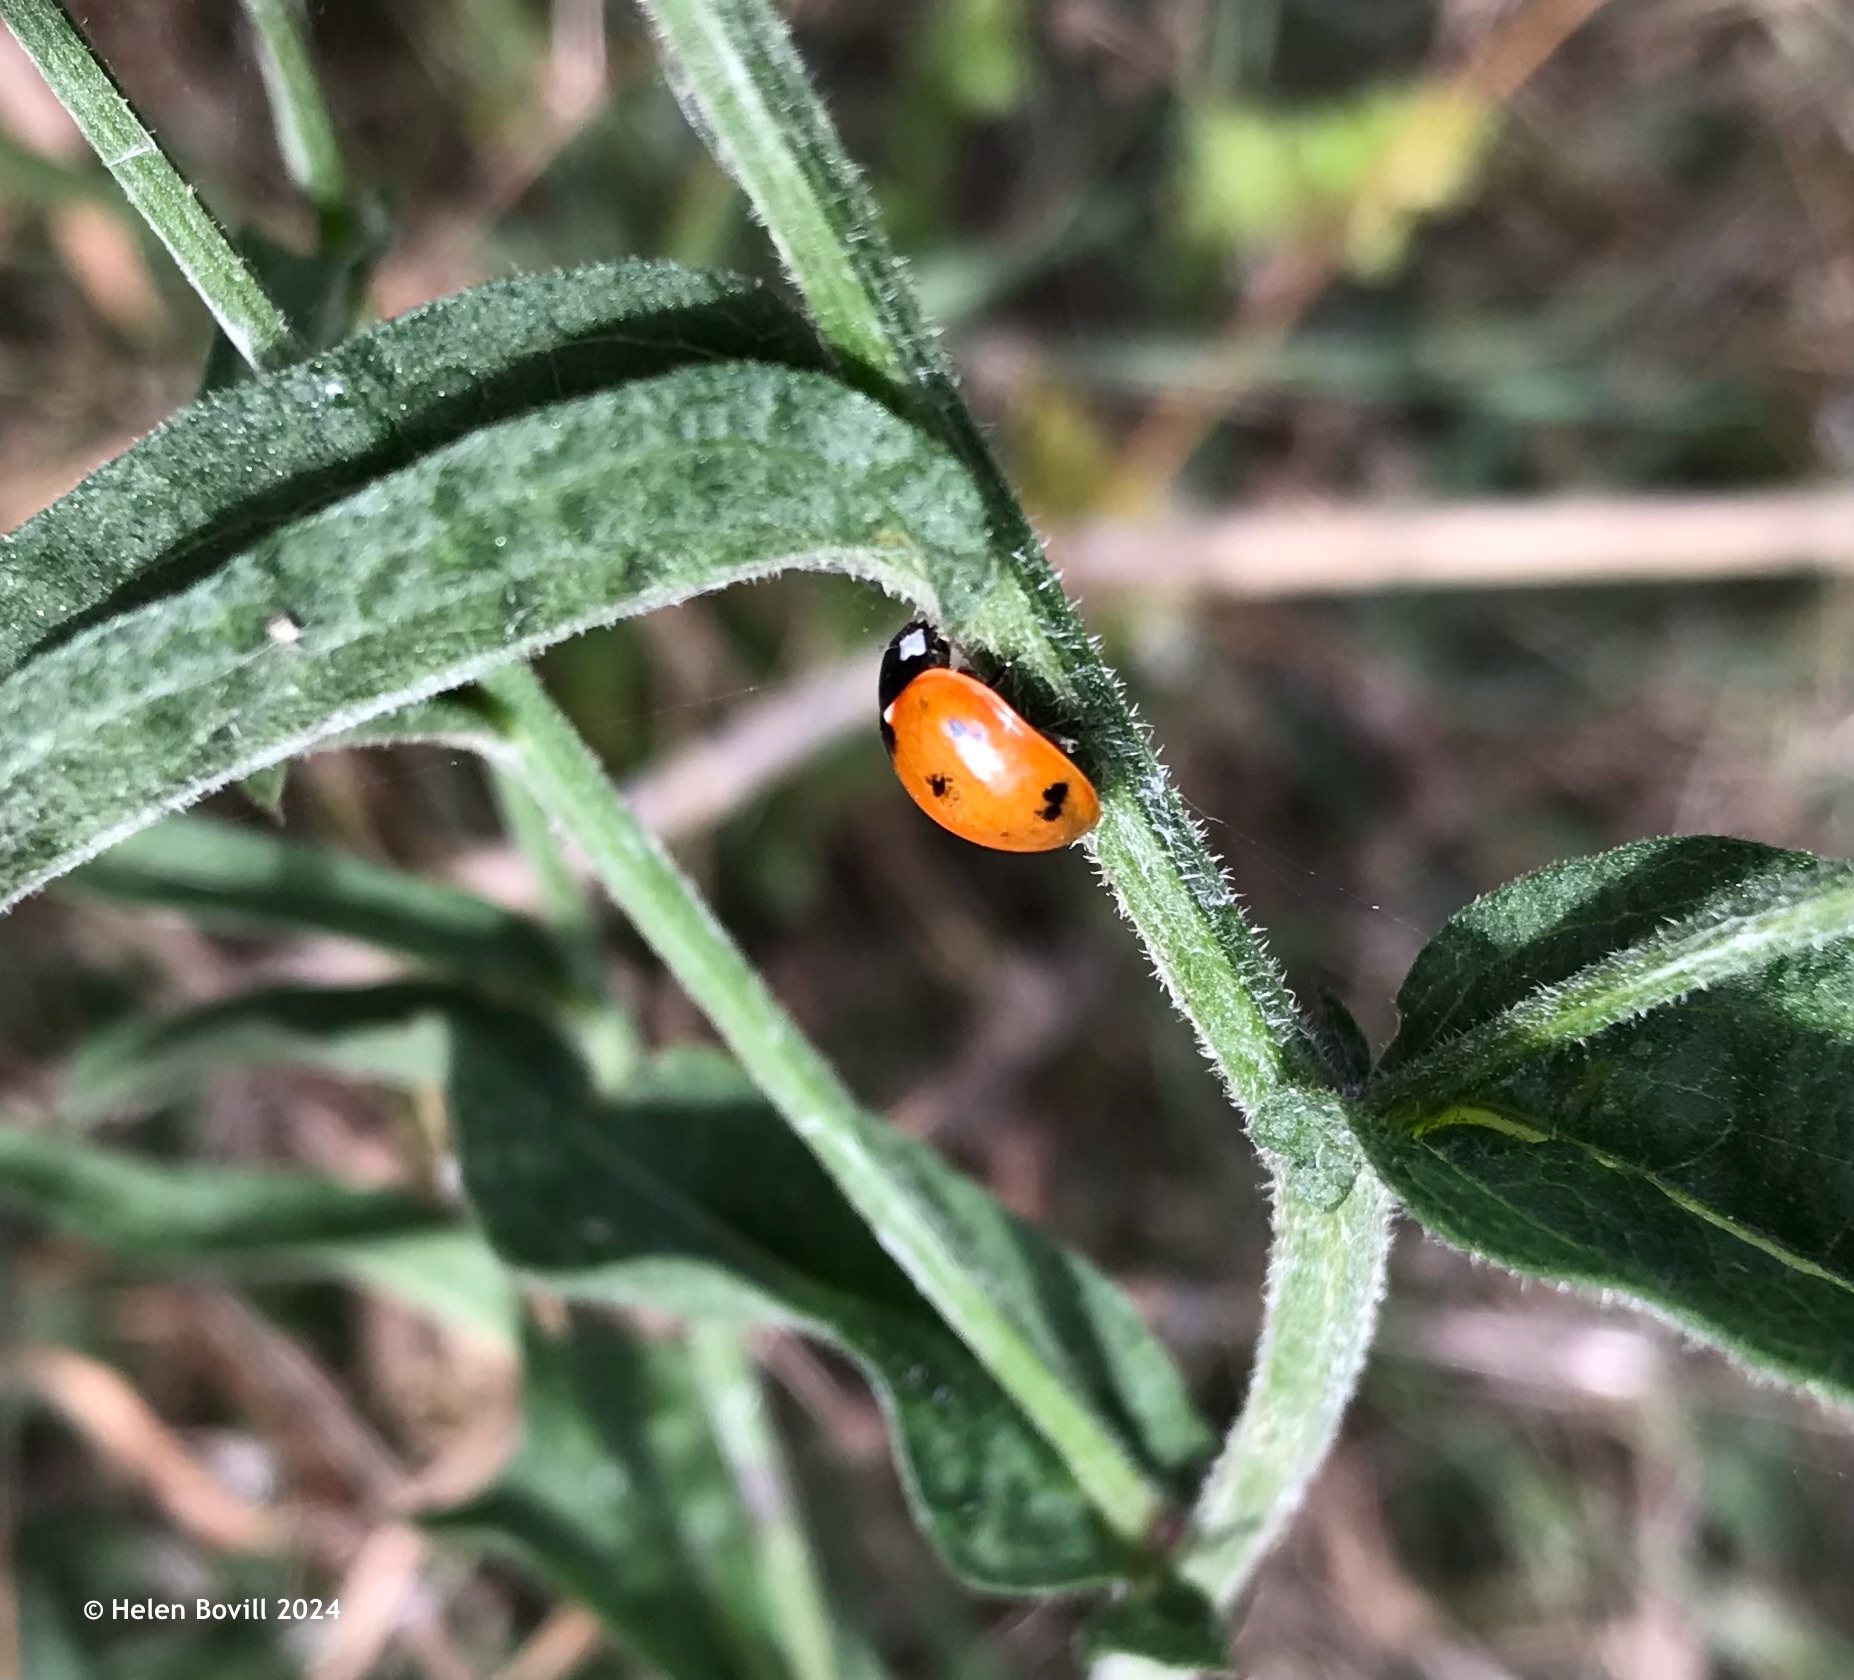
<point x="620" y="1497"/>
<point x="252" y="1218"/>
<point x="230" y="469"/>
<point x="253" y="877"/>
<point x="1636" y="1071"/>
<point x="450" y="1274"/>
<point x="299" y="113"/>
<point x="519" y="534"/>
<point x="396" y="1034"/>
<point x="688" y="1194"/>
<point x="1168" y="1623"/>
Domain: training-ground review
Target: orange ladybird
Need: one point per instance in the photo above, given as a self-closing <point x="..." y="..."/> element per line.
<point x="969" y="760"/>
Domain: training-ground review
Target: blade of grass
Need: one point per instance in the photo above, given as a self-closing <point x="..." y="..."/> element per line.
<point x="607" y="1035"/>
<point x="736" y="1404"/>
<point x="128" y="151"/>
<point x="305" y="131"/>
<point x="568" y="783"/>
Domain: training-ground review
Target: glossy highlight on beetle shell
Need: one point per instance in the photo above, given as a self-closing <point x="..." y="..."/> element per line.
<point x="970" y="761"/>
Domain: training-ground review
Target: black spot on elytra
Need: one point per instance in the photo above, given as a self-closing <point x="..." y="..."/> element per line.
<point x="939" y="784"/>
<point x="1055" y="796"/>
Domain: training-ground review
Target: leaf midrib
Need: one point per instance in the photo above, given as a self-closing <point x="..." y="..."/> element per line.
<point x="1466" y="1114"/>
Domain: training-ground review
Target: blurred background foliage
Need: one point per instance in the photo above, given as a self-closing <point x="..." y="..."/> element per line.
<point x="1190" y="255"/>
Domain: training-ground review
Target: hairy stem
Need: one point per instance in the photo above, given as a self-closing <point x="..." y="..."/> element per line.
<point x="254" y="325"/>
<point x="569" y="785"/>
<point x="1325" y="1277"/>
<point x="741" y="81"/>
<point x="742" y="84"/>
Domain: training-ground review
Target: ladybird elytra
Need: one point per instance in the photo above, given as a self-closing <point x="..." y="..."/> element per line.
<point x="969" y="760"/>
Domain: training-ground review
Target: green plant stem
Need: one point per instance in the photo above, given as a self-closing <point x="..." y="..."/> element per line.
<point x="571" y="787"/>
<point x="305" y="131"/>
<point x="1325" y="1277"/>
<point x="607" y="1035"/>
<point x="736" y="1404"/>
<point x="253" y="324"/>
<point x="1675" y="962"/>
<point x="742" y="84"/>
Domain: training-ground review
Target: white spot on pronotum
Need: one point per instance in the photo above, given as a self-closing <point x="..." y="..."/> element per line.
<point x="333" y="388"/>
<point x="284" y="630"/>
<point x="914" y="645"/>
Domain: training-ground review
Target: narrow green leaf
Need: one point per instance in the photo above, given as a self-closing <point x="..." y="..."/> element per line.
<point x="619" y="1497"/>
<point x="519" y="534"/>
<point x="398" y="1035"/>
<point x="305" y="131"/>
<point x="1636" y="1071"/>
<point x="251" y="1218"/>
<point x="687" y="1194"/>
<point x="784" y="1562"/>
<point x="232" y="468"/>
<point x="147" y="1207"/>
<point x="249" y="877"/>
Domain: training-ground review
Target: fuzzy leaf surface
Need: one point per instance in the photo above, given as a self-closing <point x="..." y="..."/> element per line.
<point x="519" y="534"/>
<point x="241" y="462"/>
<point x="689" y="1195"/>
<point x="1636" y="1071"/>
